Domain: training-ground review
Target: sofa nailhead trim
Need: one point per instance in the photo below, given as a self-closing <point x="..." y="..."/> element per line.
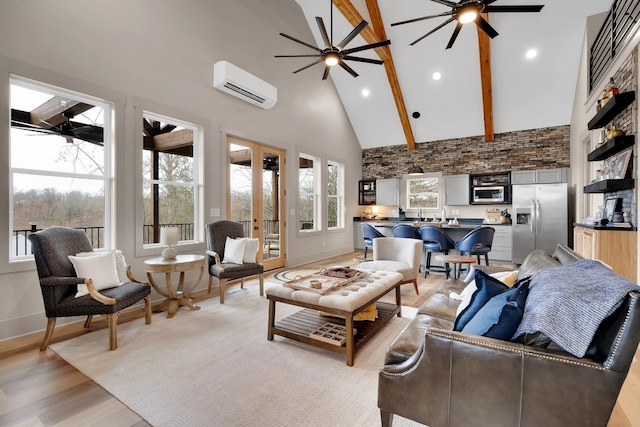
<point x="609" y="361"/>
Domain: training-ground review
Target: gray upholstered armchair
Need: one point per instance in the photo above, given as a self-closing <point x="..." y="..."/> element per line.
<point x="59" y="283"/>
<point x="217" y="233"/>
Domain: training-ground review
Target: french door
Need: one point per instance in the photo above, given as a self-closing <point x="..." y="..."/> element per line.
<point x="255" y="196"/>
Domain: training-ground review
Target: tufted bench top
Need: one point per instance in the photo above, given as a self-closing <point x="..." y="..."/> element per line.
<point x="350" y="297"/>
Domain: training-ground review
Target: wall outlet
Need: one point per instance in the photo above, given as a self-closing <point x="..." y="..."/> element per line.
<point x="394" y="212"/>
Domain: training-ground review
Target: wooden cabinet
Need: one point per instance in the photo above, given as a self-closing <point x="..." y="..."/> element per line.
<point x="367" y="192"/>
<point x="388" y="192"/>
<point x="456" y="190"/>
<point x="501" y="246"/>
<point x="617" y="248"/>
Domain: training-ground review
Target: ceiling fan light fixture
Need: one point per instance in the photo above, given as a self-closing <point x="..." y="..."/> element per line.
<point x="331" y="59"/>
<point x="467" y="16"/>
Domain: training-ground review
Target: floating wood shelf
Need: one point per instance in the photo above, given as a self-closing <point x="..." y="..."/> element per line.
<point x="612" y="108"/>
<point x="611" y="147"/>
<point x="609" y="185"/>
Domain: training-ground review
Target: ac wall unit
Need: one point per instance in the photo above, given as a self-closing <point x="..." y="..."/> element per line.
<point x="244" y="85"/>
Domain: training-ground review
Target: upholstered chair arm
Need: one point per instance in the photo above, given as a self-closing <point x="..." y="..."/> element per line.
<point x="97" y="295"/>
<point x="216" y="257"/>
<point x="61" y="281"/>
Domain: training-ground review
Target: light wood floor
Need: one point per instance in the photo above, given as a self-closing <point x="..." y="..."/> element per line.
<point x="40" y="389"/>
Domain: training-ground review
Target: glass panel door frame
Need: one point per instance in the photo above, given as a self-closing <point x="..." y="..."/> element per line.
<point x="265" y="162"/>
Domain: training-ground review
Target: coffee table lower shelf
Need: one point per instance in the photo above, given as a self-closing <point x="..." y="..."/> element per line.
<point x="299" y="325"/>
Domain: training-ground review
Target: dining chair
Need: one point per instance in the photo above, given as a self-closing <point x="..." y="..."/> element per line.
<point x="370" y="233"/>
<point x="434" y="239"/>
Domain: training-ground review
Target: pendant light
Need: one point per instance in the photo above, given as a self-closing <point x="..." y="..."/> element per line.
<point x="415" y="170"/>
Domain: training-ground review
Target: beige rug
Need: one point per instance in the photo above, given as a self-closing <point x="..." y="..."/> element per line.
<point x="215" y="367"/>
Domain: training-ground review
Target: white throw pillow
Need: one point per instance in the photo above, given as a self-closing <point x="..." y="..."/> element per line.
<point x="121" y="263"/>
<point x="250" y="249"/>
<point x="233" y="251"/>
<point x="101" y="269"/>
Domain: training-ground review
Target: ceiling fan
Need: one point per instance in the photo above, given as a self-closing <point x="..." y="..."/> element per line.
<point x="335" y="55"/>
<point x="467" y="11"/>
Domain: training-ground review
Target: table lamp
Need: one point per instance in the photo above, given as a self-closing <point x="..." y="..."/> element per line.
<point x="169" y="236"/>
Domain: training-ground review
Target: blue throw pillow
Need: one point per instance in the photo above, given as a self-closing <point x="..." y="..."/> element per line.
<point x="487" y="288"/>
<point x="500" y="317"/>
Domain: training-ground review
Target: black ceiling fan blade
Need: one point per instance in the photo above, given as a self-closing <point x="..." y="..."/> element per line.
<point x="295" y="56"/>
<point x="523" y="8"/>
<point x="484" y="26"/>
<point x="408" y="21"/>
<point x="433" y="31"/>
<point x="323" y="31"/>
<point x="366" y="47"/>
<point x="367" y="60"/>
<point x="446" y="2"/>
<point x="301" y="42"/>
<point x="352" y="34"/>
<point x="349" y="69"/>
<point x="326" y="72"/>
<point x="310" y="65"/>
<point x="454" y="36"/>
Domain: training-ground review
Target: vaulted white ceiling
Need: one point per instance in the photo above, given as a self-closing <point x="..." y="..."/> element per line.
<point x="526" y="93"/>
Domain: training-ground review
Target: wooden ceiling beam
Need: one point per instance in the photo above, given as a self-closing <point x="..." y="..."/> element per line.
<point x="50" y="112"/>
<point x="484" y="43"/>
<point x="374" y="33"/>
<point x="173" y="140"/>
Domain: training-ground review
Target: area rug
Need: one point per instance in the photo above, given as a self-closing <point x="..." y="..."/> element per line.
<point x="215" y="367"/>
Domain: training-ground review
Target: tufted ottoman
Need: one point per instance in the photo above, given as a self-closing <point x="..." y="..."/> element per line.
<point x="344" y="302"/>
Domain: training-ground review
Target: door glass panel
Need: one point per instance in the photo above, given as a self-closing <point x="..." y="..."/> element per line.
<point x="241" y="183"/>
<point x="271" y="204"/>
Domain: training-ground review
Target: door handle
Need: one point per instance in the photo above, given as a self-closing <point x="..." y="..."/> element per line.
<point x="533" y="216"/>
<point x="537" y="216"/>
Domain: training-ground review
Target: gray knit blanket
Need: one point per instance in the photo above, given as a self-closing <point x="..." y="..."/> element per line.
<point x="568" y="303"/>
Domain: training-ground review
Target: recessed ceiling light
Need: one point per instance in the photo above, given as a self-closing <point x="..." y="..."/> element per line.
<point x="436" y="75"/>
<point x="365" y="92"/>
<point x="531" y="53"/>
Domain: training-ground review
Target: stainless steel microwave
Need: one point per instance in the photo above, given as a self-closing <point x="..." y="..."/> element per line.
<point x="494" y="194"/>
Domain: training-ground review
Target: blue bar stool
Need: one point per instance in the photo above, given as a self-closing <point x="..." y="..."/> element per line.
<point x="435" y="240"/>
<point x="369" y="233"/>
<point x="477" y="242"/>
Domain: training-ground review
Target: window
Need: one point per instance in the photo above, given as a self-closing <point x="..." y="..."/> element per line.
<point x="424" y="191"/>
<point x="309" y="179"/>
<point x="60" y="156"/>
<point x="335" y="195"/>
<point x="170" y="184"/>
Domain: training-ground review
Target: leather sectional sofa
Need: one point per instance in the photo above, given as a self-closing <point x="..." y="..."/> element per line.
<point x="439" y="377"/>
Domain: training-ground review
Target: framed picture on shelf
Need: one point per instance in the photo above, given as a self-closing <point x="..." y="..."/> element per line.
<point x="622" y="163"/>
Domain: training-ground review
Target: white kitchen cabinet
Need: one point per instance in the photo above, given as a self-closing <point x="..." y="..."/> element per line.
<point x="358" y="237"/>
<point x="501" y="246"/>
<point x="539" y="176"/>
<point x="456" y="190"/>
<point x="388" y="192"/>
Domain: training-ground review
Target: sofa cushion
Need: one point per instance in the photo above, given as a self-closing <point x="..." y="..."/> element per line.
<point x="441" y="306"/>
<point x="412" y="337"/>
<point x="487" y="288"/>
<point x="536" y="261"/>
<point x="500" y="316"/>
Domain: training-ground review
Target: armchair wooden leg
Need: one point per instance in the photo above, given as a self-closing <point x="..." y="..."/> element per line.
<point x="415" y="286"/>
<point x="87" y="322"/>
<point x="112" y="319"/>
<point x="223" y="282"/>
<point x="210" y="281"/>
<point x="261" y="284"/>
<point x="51" y="324"/>
<point x="147" y="309"/>
<point x="386" y="418"/>
<point x="242" y="283"/>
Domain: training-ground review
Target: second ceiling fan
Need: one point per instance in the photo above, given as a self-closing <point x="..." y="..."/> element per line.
<point x="467" y="11"/>
<point x="336" y="55"/>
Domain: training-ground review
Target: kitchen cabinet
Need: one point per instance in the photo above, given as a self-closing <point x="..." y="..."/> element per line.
<point x="501" y="246"/>
<point x="367" y="192"/>
<point x="616" y="248"/>
<point x="539" y="176"/>
<point x="358" y="237"/>
<point x="388" y="192"/>
<point x="456" y="190"/>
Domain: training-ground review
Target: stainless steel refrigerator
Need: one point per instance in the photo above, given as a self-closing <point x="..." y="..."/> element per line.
<point x="539" y="219"/>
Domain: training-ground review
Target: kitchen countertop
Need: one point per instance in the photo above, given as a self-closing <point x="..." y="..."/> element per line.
<point x="604" y="227"/>
<point x="465" y="223"/>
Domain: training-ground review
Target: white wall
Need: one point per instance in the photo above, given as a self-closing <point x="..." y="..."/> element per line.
<point x="161" y="53"/>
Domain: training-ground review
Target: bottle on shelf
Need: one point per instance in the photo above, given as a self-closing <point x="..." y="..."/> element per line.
<point x="613" y="89"/>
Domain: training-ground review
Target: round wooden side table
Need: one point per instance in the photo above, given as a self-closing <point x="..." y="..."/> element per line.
<point x="174" y="297"/>
<point x="457" y="261"/>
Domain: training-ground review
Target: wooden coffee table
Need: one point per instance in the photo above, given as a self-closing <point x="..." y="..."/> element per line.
<point x="345" y="302"/>
<point x="455" y="259"/>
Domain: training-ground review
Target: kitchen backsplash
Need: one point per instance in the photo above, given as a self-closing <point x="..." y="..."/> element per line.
<point x="544" y="148"/>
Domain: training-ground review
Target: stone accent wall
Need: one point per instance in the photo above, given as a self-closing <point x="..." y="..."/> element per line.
<point x="544" y="148"/>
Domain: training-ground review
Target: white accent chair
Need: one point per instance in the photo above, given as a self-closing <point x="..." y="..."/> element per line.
<point x="398" y="254"/>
